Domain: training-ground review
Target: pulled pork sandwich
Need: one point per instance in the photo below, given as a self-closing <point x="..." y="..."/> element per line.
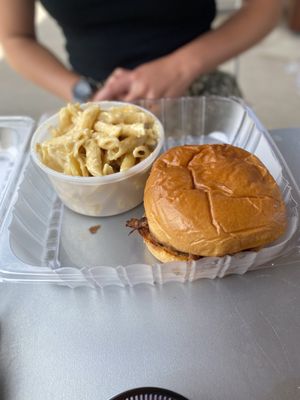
<point x="209" y="200"/>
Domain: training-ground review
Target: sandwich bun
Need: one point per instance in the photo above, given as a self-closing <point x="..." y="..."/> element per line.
<point x="211" y="201"/>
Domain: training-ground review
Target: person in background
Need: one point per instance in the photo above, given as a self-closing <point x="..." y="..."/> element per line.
<point x="129" y="50"/>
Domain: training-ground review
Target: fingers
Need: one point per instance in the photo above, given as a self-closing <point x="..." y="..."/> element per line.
<point x="112" y="90"/>
<point x="115" y="86"/>
<point x="139" y="90"/>
<point x="136" y="92"/>
<point x="117" y="73"/>
<point x="131" y="85"/>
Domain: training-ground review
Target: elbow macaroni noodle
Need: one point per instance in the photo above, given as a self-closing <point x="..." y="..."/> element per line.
<point x="96" y="142"/>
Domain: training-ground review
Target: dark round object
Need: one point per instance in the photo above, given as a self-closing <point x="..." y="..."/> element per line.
<point x="149" y="393"/>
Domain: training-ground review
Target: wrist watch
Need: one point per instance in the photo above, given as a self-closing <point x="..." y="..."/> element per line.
<point x="84" y="89"/>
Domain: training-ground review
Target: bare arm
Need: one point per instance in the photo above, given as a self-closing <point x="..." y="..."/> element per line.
<point x="245" y="28"/>
<point x="26" y="55"/>
<point x="171" y="75"/>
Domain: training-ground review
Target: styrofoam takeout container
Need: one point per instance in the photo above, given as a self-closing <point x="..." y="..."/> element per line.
<point x="41" y="241"/>
<point x="102" y="195"/>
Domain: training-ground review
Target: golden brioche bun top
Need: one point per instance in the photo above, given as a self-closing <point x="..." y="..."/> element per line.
<point x="213" y="200"/>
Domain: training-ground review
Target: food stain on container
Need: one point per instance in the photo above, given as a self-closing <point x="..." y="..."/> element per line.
<point x="94" y="229"/>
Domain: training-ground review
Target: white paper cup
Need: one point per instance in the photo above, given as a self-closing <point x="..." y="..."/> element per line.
<point x="104" y="195"/>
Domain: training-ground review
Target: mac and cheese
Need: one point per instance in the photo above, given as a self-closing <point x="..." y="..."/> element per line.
<point x="96" y="142"/>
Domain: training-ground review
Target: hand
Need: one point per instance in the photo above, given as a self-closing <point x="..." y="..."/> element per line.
<point x="164" y="77"/>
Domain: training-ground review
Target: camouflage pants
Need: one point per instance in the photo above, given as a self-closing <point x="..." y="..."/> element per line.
<point x="215" y="83"/>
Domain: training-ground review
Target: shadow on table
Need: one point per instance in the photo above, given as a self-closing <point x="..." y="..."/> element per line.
<point x="288" y="389"/>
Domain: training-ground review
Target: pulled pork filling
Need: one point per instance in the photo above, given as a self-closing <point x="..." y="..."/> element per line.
<point x="141" y="225"/>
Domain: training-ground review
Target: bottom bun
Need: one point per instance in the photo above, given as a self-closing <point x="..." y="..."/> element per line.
<point x="162" y="254"/>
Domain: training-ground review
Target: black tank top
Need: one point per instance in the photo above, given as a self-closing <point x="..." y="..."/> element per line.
<point x="104" y="34"/>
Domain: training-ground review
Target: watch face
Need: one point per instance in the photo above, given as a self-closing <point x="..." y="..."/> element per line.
<point x="83" y="90"/>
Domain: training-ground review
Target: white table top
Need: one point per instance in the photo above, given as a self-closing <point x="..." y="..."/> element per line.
<point x="233" y="338"/>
